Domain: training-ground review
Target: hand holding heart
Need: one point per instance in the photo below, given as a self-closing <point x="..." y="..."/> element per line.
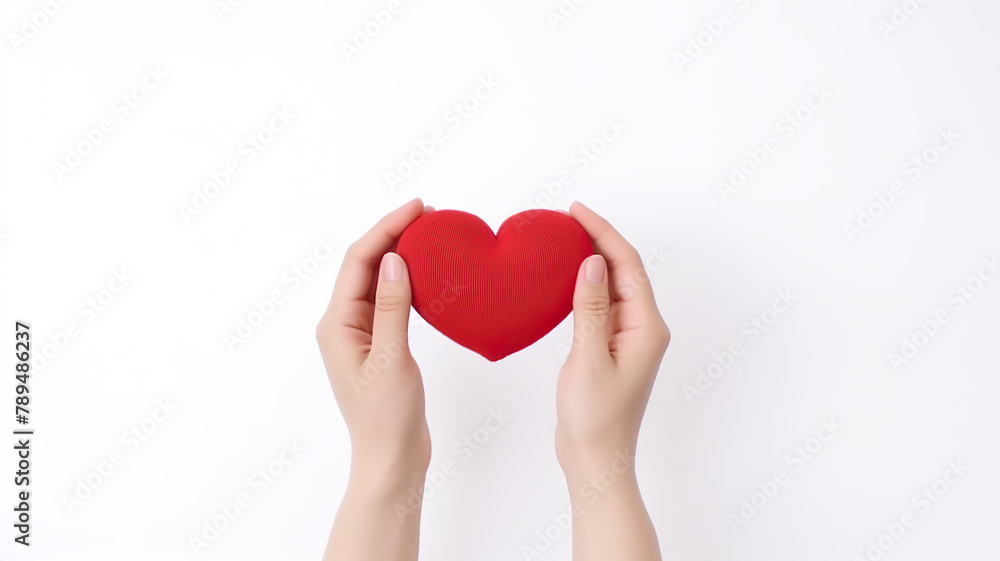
<point x="618" y="342"/>
<point x="362" y="337"/>
<point x="602" y="390"/>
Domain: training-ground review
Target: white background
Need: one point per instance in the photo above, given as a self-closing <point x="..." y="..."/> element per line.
<point x="162" y="337"/>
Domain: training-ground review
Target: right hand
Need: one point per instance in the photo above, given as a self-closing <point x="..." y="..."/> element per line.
<point x="619" y="339"/>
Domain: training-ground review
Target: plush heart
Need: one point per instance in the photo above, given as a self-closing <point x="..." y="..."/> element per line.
<point x="494" y="294"/>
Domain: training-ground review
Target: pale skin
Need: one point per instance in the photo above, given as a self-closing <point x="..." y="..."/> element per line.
<point x="601" y="397"/>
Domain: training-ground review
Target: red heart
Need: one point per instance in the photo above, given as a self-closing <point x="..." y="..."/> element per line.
<point x="494" y="294"/>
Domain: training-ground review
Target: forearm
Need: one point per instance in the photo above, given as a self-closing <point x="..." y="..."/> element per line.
<point x="610" y="519"/>
<point x="379" y="518"/>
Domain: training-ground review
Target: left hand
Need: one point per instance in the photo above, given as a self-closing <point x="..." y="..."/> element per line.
<point x="363" y="340"/>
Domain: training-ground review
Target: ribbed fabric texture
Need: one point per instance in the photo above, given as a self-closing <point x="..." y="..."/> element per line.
<point x="494" y="294"/>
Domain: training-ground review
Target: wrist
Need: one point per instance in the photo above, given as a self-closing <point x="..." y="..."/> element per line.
<point x="386" y="473"/>
<point x="387" y="493"/>
<point x="599" y="469"/>
<point x="390" y="464"/>
<point x="597" y="490"/>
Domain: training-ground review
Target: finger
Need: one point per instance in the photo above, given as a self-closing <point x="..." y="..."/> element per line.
<point x="591" y="309"/>
<point x="392" y="308"/>
<point x="354" y="281"/>
<point x="629" y="281"/>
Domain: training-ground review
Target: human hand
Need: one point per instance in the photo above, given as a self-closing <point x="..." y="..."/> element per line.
<point x="619" y="339"/>
<point x="363" y="340"/>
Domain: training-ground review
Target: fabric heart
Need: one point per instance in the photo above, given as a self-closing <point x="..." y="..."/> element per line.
<point x="494" y="294"/>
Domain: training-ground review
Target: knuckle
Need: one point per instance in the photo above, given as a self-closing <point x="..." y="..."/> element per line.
<point x="321" y="330"/>
<point x="628" y="256"/>
<point x="388" y="302"/>
<point x="326" y="333"/>
<point x="352" y="252"/>
<point x="596" y="307"/>
<point x="661" y="335"/>
<point x="632" y="255"/>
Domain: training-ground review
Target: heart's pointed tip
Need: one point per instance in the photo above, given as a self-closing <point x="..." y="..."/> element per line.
<point x="495" y="357"/>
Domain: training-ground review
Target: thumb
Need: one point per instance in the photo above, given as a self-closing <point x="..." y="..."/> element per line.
<point x="392" y="308"/>
<point x="591" y="308"/>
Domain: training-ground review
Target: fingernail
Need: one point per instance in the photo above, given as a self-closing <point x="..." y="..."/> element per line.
<point x="392" y="267"/>
<point x="428" y="208"/>
<point x="595" y="269"/>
